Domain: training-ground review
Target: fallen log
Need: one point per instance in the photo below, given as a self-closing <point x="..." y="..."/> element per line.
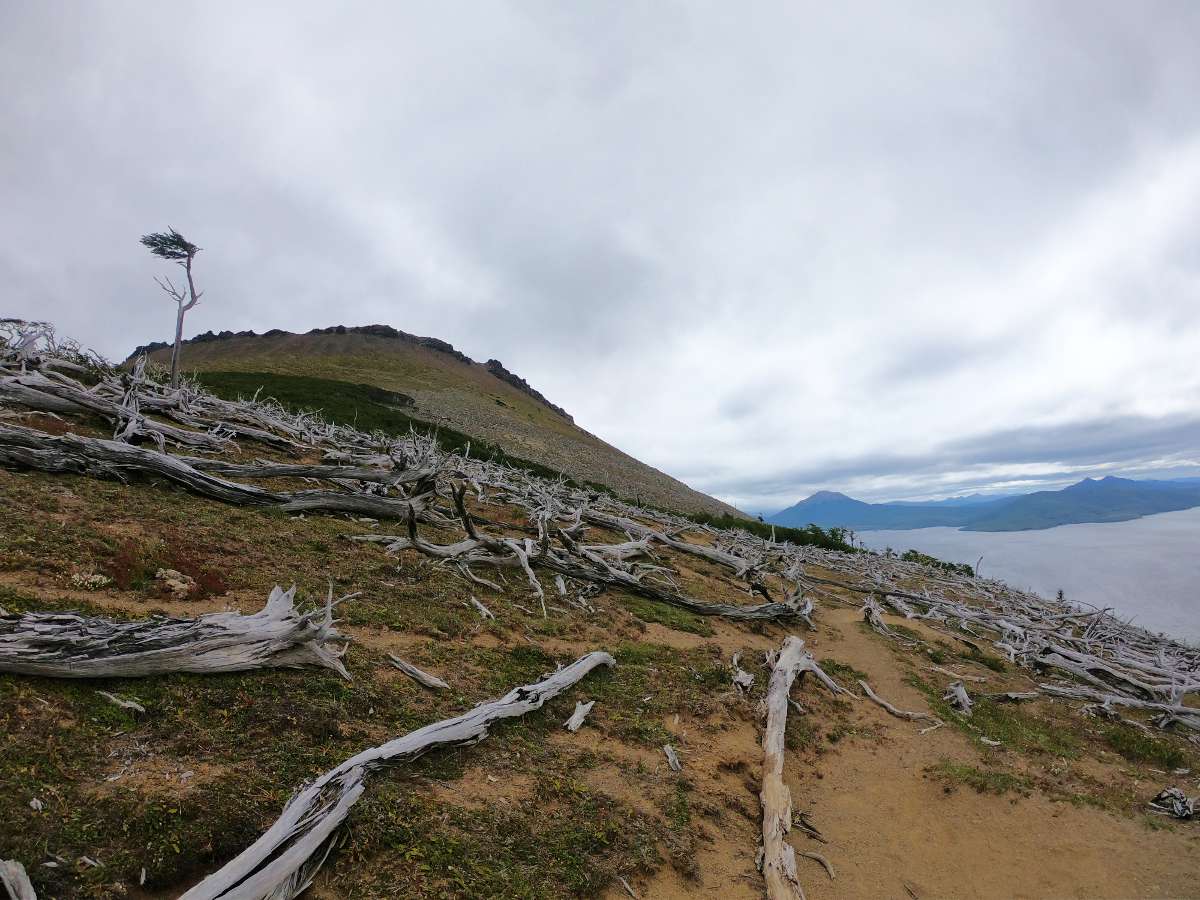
<point x="779" y="859"/>
<point x="61" y="394"/>
<point x="574" y="723"/>
<point x="68" y="645"/>
<point x="570" y="561"/>
<point x="284" y="860"/>
<point x="373" y="474"/>
<point x="420" y="677"/>
<point x="898" y="713"/>
<point x="27" y="448"/>
<point x="15" y="881"/>
<point x="1169" y="713"/>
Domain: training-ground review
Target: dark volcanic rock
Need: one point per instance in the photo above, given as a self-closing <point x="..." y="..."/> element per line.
<point x="497" y="368"/>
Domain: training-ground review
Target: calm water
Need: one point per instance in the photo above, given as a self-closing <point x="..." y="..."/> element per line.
<point x="1148" y="568"/>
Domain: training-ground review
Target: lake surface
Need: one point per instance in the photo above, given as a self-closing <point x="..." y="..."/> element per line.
<point x="1147" y="568"/>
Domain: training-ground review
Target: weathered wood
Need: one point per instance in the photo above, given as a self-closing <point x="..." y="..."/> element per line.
<point x="1172" y="713"/>
<point x="779" y="859"/>
<point x="15" y="880"/>
<point x="956" y="694"/>
<point x="672" y="758"/>
<point x="574" y="723"/>
<point x="742" y="680"/>
<point x="284" y="860"/>
<point x="68" y="645"/>
<point x="372" y="474"/>
<point x="570" y="560"/>
<point x="124" y="704"/>
<point x="898" y="713"/>
<point x="420" y="677"/>
<point x="22" y="447"/>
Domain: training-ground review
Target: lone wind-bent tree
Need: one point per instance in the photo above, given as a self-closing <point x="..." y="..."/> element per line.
<point x="174" y="246"/>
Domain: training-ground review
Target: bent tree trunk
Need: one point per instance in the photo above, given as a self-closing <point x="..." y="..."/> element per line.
<point x="284" y="861"/>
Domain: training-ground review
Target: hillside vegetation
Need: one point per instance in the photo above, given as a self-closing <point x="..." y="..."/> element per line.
<point x="448" y="390"/>
<point x="491" y="578"/>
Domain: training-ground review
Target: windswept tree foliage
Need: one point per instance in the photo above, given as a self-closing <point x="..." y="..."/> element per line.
<point x="172" y="245"/>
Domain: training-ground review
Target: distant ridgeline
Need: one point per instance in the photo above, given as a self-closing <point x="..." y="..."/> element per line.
<point x="386" y="331"/>
<point x="1091" y="500"/>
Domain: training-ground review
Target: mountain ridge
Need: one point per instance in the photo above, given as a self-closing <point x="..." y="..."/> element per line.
<point x="1108" y="499"/>
<point x="448" y="390"/>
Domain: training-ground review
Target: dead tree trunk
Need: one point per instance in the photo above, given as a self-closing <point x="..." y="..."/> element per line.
<point x="68" y="645"/>
<point x="15" y="881"/>
<point x="779" y="859"/>
<point x="286" y="858"/>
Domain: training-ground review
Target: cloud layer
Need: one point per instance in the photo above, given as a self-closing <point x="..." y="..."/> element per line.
<point x="900" y="252"/>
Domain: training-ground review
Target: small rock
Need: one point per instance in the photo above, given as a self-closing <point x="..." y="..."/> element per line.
<point x="180" y="585"/>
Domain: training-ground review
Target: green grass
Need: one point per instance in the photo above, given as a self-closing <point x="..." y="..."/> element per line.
<point x="664" y="614"/>
<point x="985" y="781"/>
<point x="1015" y="728"/>
<point x="1137" y="746"/>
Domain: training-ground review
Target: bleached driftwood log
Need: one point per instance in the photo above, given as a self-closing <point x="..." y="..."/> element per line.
<point x="56" y="393"/>
<point x="898" y="713"/>
<point x="574" y="723"/>
<point x="1170" y="713"/>
<point x="742" y="680"/>
<point x="286" y="858"/>
<point x="27" y="448"/>
<point x="68" y="645"/>
<point x="419" y="676"/>
<point x="956" y="694"/>
<point x="373" y="474"/>
<point x="570" y="560"/>
<point x="15" y="880"/>
<point x="779" y="859"/>
<point x="672" y="758"/>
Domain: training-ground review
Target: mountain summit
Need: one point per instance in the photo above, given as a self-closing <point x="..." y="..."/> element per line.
<point x="377" y="370"/>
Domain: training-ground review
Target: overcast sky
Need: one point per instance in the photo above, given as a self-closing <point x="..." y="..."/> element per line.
<point x="899" y="250"/>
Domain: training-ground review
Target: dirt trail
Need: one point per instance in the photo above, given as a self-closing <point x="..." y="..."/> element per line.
<point x="893" y="830"/>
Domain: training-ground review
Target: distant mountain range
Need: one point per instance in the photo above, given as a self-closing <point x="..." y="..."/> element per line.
<point x="1091" y="500"/>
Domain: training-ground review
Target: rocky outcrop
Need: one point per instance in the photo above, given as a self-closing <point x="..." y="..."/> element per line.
<point x="497" y="368"/>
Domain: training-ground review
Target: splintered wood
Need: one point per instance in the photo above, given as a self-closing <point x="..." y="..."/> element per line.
<point x="68" y="645"/>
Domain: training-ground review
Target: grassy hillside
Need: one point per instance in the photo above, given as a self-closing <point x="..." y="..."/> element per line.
<point x="459" y="396"/>
<point x="533" y="812"/>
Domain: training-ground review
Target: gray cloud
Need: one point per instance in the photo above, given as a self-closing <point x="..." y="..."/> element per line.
<point x="893" y="251"/>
